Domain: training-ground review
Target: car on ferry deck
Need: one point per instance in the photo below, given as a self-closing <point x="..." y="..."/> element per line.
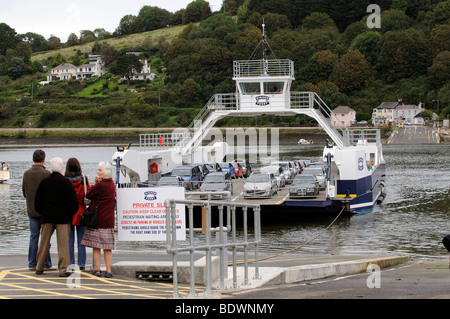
<point x="213" y="167"/>
<point x="204" y="169"/>
<point x="298" y="166"/>
<point x="191" y="174"/>
<point x="175" y="181"/>
<point x="216" y="182"/>
<point x="277" y="172"/>
<point x="304" y="186"/>
<point x="260" y="185"/>
<point x="228" y="168"/>
<point x="238" y="169"/>
<point x="288" y="170"/>
<point x="318" y="172"/>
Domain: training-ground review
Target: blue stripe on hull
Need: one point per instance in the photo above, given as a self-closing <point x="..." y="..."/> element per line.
<point x="367" y="191"/>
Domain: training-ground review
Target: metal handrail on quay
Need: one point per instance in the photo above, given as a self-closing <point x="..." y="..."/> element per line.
<point x="227" y="239"/>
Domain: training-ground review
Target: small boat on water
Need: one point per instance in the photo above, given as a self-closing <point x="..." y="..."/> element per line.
<point x="353" y="159"/>
<point x="305" y="142"/>
<point x="4" y="172"/>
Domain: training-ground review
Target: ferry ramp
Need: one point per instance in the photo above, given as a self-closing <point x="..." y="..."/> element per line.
<point x="415" y="134"/>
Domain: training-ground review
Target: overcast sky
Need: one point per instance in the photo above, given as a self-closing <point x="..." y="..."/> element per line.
<point x="63" y="17"/>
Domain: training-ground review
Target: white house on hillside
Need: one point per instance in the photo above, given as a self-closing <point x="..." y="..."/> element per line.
<point x="393" y="113"/>
<point x="67" y="71"/>
<point x="145" y="73"/>
<point x="95" y="67"/>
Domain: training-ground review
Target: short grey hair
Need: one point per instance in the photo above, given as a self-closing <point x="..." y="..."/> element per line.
<point x="56" y="165"/>
<point x="107" y="168"/>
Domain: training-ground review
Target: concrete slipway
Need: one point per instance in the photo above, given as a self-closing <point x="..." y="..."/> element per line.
<point x="279" y="270"/>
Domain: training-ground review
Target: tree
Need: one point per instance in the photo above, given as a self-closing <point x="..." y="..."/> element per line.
<point x="152" y="18"/>
<point x="58" y="59"/>
<point x="37" y="41"/>
<point x="317" y="20"/>
<point x="87" y="36"/>
<point x="17" y="68"/>
<point x="188" y="92"/>
<point x="196" y="11"/>
<point x="54" y="42"/>
<point x="72" y="40"/>
<point x="109" y="55"/>
<point x="439" y="15"/>
<point x="352" y="72"/>
<point x="440" y="37"/>
<point x="126" y="65"/>
<point x="395" y="20"/>
<point x="8" y="38"/>
<point x="367" y="43"/>
<point x="403" y="54"/>
<point x="127" y="25"/>
<point x="319" y="67"/>
<point x="439" y="71"/>
<point x="275" y="22"/>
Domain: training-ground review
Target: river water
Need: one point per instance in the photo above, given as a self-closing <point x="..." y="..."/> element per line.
<point x="413" y="219"/>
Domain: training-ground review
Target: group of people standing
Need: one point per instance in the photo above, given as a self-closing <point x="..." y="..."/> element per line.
<point x="56" y="201"/>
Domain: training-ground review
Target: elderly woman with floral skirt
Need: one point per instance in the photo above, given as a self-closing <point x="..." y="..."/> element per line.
<point x="100" y="238"/>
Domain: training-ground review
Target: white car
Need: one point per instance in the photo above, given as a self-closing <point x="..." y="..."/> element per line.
<point x="259" y="185"/>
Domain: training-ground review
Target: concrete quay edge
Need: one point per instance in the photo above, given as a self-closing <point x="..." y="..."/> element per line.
<point x="288" y="275"/>
<point x="268" y="275"/>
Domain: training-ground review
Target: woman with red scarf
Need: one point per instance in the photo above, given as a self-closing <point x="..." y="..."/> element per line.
<point x="75" y="176"/>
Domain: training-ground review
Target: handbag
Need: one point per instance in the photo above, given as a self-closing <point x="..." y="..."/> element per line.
<point x="87" y="202"/>
<point x="89" y="218"/>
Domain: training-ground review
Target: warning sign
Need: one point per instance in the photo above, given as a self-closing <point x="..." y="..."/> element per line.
<point x="141" y="214"/>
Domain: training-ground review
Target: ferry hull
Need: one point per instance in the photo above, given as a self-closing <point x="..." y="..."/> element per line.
<point x="365" y="193"/>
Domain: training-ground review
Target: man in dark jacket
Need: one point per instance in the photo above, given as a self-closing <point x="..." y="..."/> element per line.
<point x="31" y="179"/>
<point x="56" y="201"/>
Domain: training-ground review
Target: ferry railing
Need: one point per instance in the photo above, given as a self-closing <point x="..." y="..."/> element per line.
<point x="322" y="113"/>
<point x="162" y="140"/>
<point x="361" y="137"/>
<point x="312" y="100"/>
<point x="200" y="124"/>
<point x="257" y="68"/>
<point x="231" y="242"/>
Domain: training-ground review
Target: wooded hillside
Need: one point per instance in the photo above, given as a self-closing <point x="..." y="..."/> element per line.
<point x="335" y="53"/>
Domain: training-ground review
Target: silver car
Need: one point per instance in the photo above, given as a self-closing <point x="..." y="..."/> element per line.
<point x="304" y="186"/>
<point x="288" y="170"/>
<point x="216" y="182"/>
<point x="318" y="172"/>
<point x="175" y="181"/>
<point x="277" y="172"/>
<point x="260" y="184"/>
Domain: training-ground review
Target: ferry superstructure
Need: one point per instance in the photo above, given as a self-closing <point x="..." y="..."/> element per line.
<point x="353" y="158"/>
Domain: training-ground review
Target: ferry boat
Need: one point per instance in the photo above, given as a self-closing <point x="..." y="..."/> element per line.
<point x="354" y="161"/>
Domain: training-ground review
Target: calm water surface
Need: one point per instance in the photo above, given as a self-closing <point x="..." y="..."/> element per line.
<point x="413" y="218"/>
